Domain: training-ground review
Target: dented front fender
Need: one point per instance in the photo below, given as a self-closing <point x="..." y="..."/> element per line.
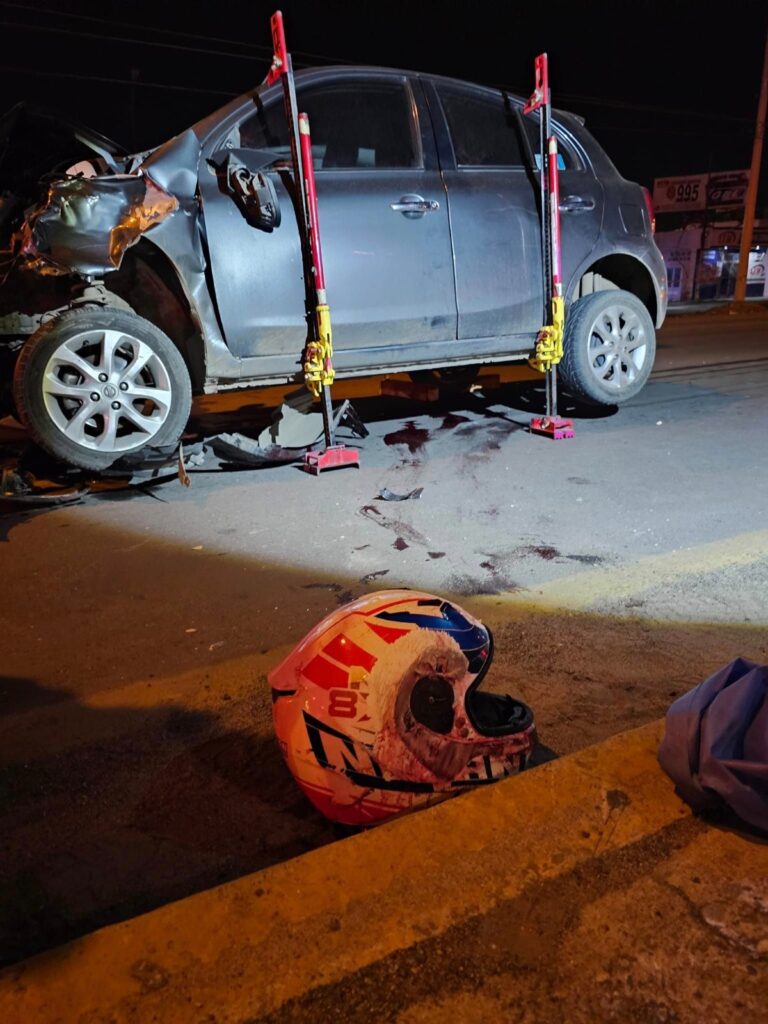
<point x="85" y="224"/>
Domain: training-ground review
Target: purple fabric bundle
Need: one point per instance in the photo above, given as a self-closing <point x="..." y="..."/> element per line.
<point x="715" y="745"/>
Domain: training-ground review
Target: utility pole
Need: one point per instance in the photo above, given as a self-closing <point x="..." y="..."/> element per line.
<point x="750" y="203"/>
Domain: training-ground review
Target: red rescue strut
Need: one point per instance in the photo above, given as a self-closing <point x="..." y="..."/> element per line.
<point x="549" y="344"/>
<point x="318" y="353"/>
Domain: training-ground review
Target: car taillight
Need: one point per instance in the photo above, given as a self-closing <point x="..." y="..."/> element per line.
<point x="649" y="208"/>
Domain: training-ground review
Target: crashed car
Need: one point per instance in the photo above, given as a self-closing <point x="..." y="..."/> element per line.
<point x="136" y="281"/>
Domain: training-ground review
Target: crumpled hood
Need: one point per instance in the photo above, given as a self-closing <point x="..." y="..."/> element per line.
<point x="94" y="208"/>
<point x="35" y="142"/>
<point x="84" y="225"/>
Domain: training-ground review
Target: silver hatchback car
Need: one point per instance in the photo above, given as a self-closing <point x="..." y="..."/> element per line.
<point x="180" y="271"/>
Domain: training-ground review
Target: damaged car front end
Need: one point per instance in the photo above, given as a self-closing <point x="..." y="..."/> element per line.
<point x="93" y="379"/>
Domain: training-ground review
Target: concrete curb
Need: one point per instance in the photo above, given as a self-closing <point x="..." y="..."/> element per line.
<point x="243" y="949"/>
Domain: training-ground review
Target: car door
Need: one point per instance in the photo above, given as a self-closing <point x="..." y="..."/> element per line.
<point x="493" y="189"/>
<point x="582" y="197"/>
<point x="383" y="218"/>
<point x="492" y="192"/>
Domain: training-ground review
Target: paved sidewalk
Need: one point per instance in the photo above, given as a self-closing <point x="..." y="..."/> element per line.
<point x="583" y="890"/>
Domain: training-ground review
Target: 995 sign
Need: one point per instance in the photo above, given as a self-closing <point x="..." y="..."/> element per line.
<point x="687" y="192"/>
<point x="683" y="193"/>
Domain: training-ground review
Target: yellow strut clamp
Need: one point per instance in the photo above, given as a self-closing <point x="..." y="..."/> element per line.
<point x="549" y="344"/>
<point x="318" y="355"/>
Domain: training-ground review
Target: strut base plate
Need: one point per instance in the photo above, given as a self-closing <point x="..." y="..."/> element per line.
<point x="552" y="426"/>
<point x="336" y="457"/>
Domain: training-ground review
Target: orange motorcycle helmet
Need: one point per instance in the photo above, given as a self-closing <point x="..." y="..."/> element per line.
<point x="378" y="710"/>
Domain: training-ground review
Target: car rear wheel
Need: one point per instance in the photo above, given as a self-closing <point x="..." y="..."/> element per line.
<point x="609" y="347"/>
<point x="94" y="385"/>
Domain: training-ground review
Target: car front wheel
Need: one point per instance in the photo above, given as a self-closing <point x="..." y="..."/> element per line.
<point x="609" y="347"/>
<point x="94" y="385"/>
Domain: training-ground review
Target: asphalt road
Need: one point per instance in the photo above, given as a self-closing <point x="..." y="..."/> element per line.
<point x="617" y="569"/>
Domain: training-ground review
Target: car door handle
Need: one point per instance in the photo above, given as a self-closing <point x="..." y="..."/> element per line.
<point x="414" y="206"/>
<point x="576" y="204"/>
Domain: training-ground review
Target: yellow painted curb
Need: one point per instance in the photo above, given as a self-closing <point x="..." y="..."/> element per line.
<point x="243" y="949"/>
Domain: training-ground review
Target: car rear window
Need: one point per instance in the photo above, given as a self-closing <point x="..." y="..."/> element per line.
<point x="485" y="129"/>
<point x="566" y="159"/>
<point x="354" y="124"/>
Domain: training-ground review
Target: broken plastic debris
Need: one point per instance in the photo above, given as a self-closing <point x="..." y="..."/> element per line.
<point x="244" y="451"/>
<point x="16" y="492"/>
<point x="295" y="425"/>
<point x="293" y="430"/>
<point x="371" y="576"/>
<point x="386" y="495"/>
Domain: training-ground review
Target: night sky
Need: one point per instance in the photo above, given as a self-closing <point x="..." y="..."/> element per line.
<point x="667" y="88"/>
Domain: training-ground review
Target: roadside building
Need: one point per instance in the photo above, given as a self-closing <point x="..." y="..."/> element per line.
<point x="698" y="229"/>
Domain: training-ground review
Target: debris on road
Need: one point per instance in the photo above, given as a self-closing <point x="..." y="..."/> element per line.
<point x="18" y="492"/>
<point x="386" y="495"/>
<point x="371" y="576"/>
<point x="239" y="450"/>
<point x="32" y="478"/>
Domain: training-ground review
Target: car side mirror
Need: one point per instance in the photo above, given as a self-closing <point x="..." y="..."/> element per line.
<point x="252" y="190"/>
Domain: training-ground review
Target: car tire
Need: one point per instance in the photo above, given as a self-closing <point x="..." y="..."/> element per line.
<point x="110" y="363"/>
<point x="608" y="348"/>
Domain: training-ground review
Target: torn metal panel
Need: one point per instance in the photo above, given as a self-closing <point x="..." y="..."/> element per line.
<point x="84" y="225"/>
<point x="179" y="238"/>
<point x="173" y="166"/>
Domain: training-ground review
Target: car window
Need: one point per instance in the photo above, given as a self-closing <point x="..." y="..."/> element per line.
<point x="353" y="124"/>
<point x="485" y="129"/>
<point x="566" y="159"/>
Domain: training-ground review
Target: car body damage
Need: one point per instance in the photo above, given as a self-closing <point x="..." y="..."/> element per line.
<point x="85" y="224"/>
<point x="36" y="144"/>
<point x="169" y="272"/>
<point x="87" y="219"/>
